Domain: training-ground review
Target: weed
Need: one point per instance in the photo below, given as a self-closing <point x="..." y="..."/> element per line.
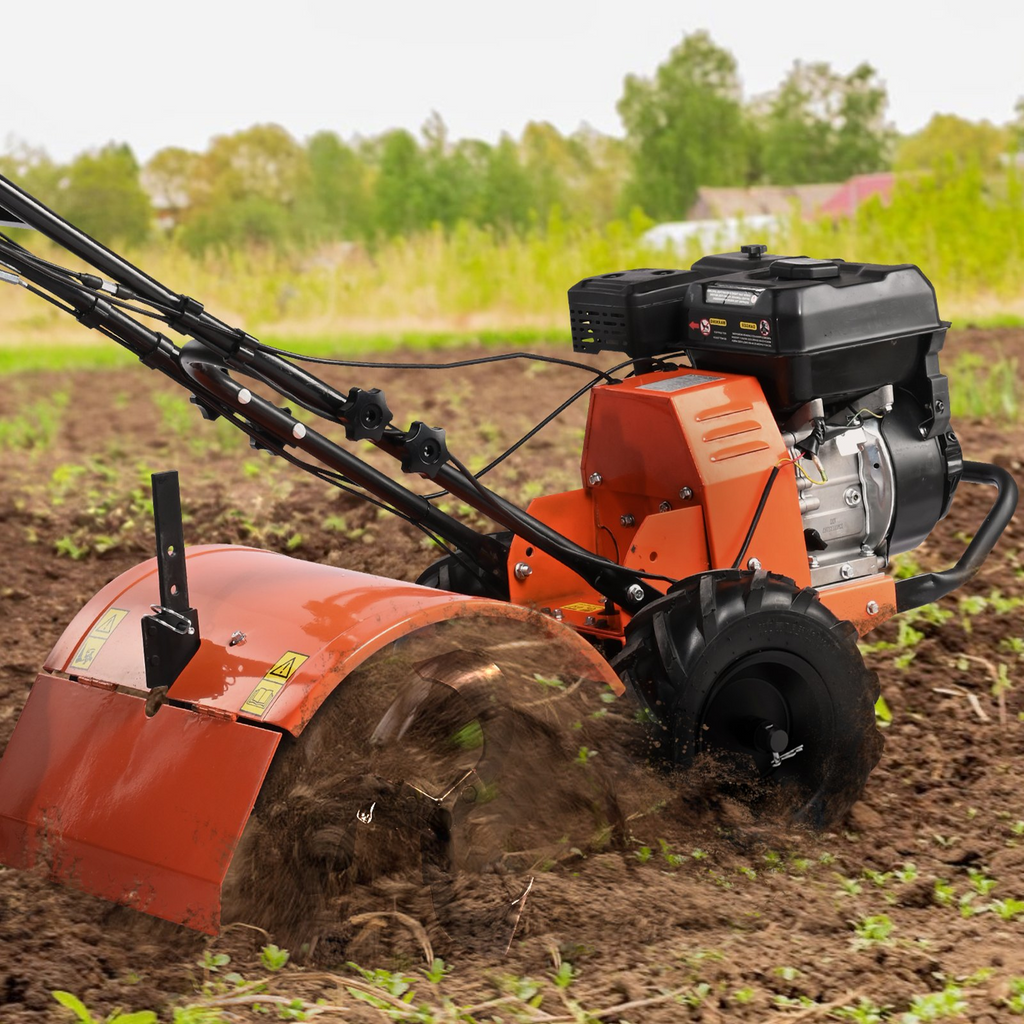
<point x="78" y="1008"/>
<point x="273" y="957"/>
<point x="1015" y="1000"/>
<point x="565" y="975"/>
<point x="743" y="996"/>
<point x="436" y="972"/>
<point x="673" y="860"/>
<point x="936" y="1006"/>
<point x="865" y="1012"/>
<point x="643" y="854"/>
<point x="1008" y="909"/>
<point x="873" y="930"/>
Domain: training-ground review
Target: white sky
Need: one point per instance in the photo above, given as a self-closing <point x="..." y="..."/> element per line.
<point x="176" y="72"/>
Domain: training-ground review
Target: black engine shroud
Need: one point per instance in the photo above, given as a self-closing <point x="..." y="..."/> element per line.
<point x="806" y="328"/>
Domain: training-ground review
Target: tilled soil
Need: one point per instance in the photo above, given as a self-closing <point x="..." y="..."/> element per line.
<point x="913" y="895"/>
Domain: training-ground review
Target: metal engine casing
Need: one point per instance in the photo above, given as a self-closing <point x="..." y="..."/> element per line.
<point x="852" y="511"/>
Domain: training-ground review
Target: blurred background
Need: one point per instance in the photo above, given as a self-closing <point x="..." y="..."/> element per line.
<point x="332" y="177"/>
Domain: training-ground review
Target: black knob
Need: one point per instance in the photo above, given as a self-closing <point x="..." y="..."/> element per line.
<point x="755" y="252"/>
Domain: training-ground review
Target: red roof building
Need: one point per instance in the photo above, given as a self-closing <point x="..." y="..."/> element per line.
<point x="861" y="187"/>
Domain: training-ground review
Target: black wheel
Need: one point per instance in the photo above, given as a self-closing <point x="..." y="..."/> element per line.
<point x="750" y="673"/>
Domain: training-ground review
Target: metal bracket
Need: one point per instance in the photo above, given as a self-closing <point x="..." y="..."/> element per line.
<point x="170" y="636"/>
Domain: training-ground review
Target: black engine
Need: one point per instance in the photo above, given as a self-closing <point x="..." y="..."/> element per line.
<point x="848" y="357"/>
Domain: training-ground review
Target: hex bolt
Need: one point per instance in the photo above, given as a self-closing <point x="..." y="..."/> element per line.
<point x="635" y="593"/>
<point x="872" y="608"/>
<point x="685" y="493"/>
<point x="754" y="564"/>
<point x="237" y="638"/>
<point x="852" y="497"/>
<point x="846" y="571"/>
<point x="557" y="613"/>
<point x="594" y="479"/>
<point x="627" y="520"/>
<point x="665" y="506"/>
<point x="522" y="570"/>
<point x="590" y="620"/>
<point x="812" y="562"/>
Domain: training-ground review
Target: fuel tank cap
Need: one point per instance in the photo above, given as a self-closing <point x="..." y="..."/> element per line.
<point x="803" y="268"/>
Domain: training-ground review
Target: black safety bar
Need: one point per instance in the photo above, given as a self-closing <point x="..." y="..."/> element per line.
<point x="930" y="586"/>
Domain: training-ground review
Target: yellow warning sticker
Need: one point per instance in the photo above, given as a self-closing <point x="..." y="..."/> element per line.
<point x="273" y="683"/>
<point x="747" y="325"/>
<point x="98" y="636"/>
<point x="583" y="606"/>
<point x="717" y="321"/>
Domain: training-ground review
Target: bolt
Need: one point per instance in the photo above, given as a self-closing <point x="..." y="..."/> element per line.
<point x="812" y="562"/>
<point x="872" y="608"/>
<point x="866" y="549"/>
<point x="852" y="497"/>
<point x="635" y="593"/>
<point x="665" y="506"/>
<point x="244" y="396"/>
<point x="754" y="564"/>
<point x="558" y="614"/>
<point x="685" y="493"/>
<point x="523" y="570"/>
<point x="237" y="638"/>
<point x="298" y="431"/>
<point x="590" y="620"/>
<point x="594" y="479"/>
<point x="627" y="520"/>
<point x="940" y="407"/>
<point x="846" y="571"/>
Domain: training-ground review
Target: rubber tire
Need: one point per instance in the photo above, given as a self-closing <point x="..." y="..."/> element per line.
<point x="683" y="644"/>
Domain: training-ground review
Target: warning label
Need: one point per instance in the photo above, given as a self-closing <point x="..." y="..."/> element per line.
<point x="273" y="682"/>
<point x="583" y="606"/>
<point x="731" y="330"/>
<point x="98" y="636"/>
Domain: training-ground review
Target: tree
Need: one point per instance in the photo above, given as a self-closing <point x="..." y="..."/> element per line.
<point x="949" y="142"/>
<point x="823" y="126"/>
<point x="169" y="177"/>
<point x="685" y="128"/>
<point x="245" y="187"/>
<point x="336" y="200"/>
<point x="102" y="194"/>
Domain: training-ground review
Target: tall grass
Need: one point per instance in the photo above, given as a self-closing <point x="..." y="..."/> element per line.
<point x="966" y="233"/>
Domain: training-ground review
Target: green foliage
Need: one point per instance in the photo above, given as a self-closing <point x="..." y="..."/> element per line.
<point x="951" y="144"/>
<point x="685" y="127"/>
<point x="101" y="193"/>
<point x="83" y="1016"/>
<point x="822" y="126"/>
<point x="273" y="957"/>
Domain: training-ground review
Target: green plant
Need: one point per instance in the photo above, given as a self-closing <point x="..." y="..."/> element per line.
<point x="936" y="1006"/>
<point x="564" y="975"/>
<point x="1015" y="1000"/>
<point x="82" y="1014"/>
<point x="865" y="1012"/>
<point x="273" y="957"/>
<point x="872" y="930"/>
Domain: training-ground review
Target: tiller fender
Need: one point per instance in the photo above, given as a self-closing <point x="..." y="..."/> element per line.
<point x="146" y="809"/>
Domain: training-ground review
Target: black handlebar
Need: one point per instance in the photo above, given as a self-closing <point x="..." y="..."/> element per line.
<point x="928" y="587"/>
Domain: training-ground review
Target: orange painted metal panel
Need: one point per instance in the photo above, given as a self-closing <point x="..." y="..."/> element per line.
<point x="312" y="623"/>
<point x="850" y="600"/>
<point x="141" y="811"/>
<point x="717" y="437"/>
<point x="670" y="544"/>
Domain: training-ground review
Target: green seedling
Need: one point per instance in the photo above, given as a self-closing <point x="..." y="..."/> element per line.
<point x="875" y="929"/>
<point x="273" y="957"/>
<point x="83" y="1016"/>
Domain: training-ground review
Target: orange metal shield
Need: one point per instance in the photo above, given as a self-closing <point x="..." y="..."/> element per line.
<point x="141" y="811"/>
